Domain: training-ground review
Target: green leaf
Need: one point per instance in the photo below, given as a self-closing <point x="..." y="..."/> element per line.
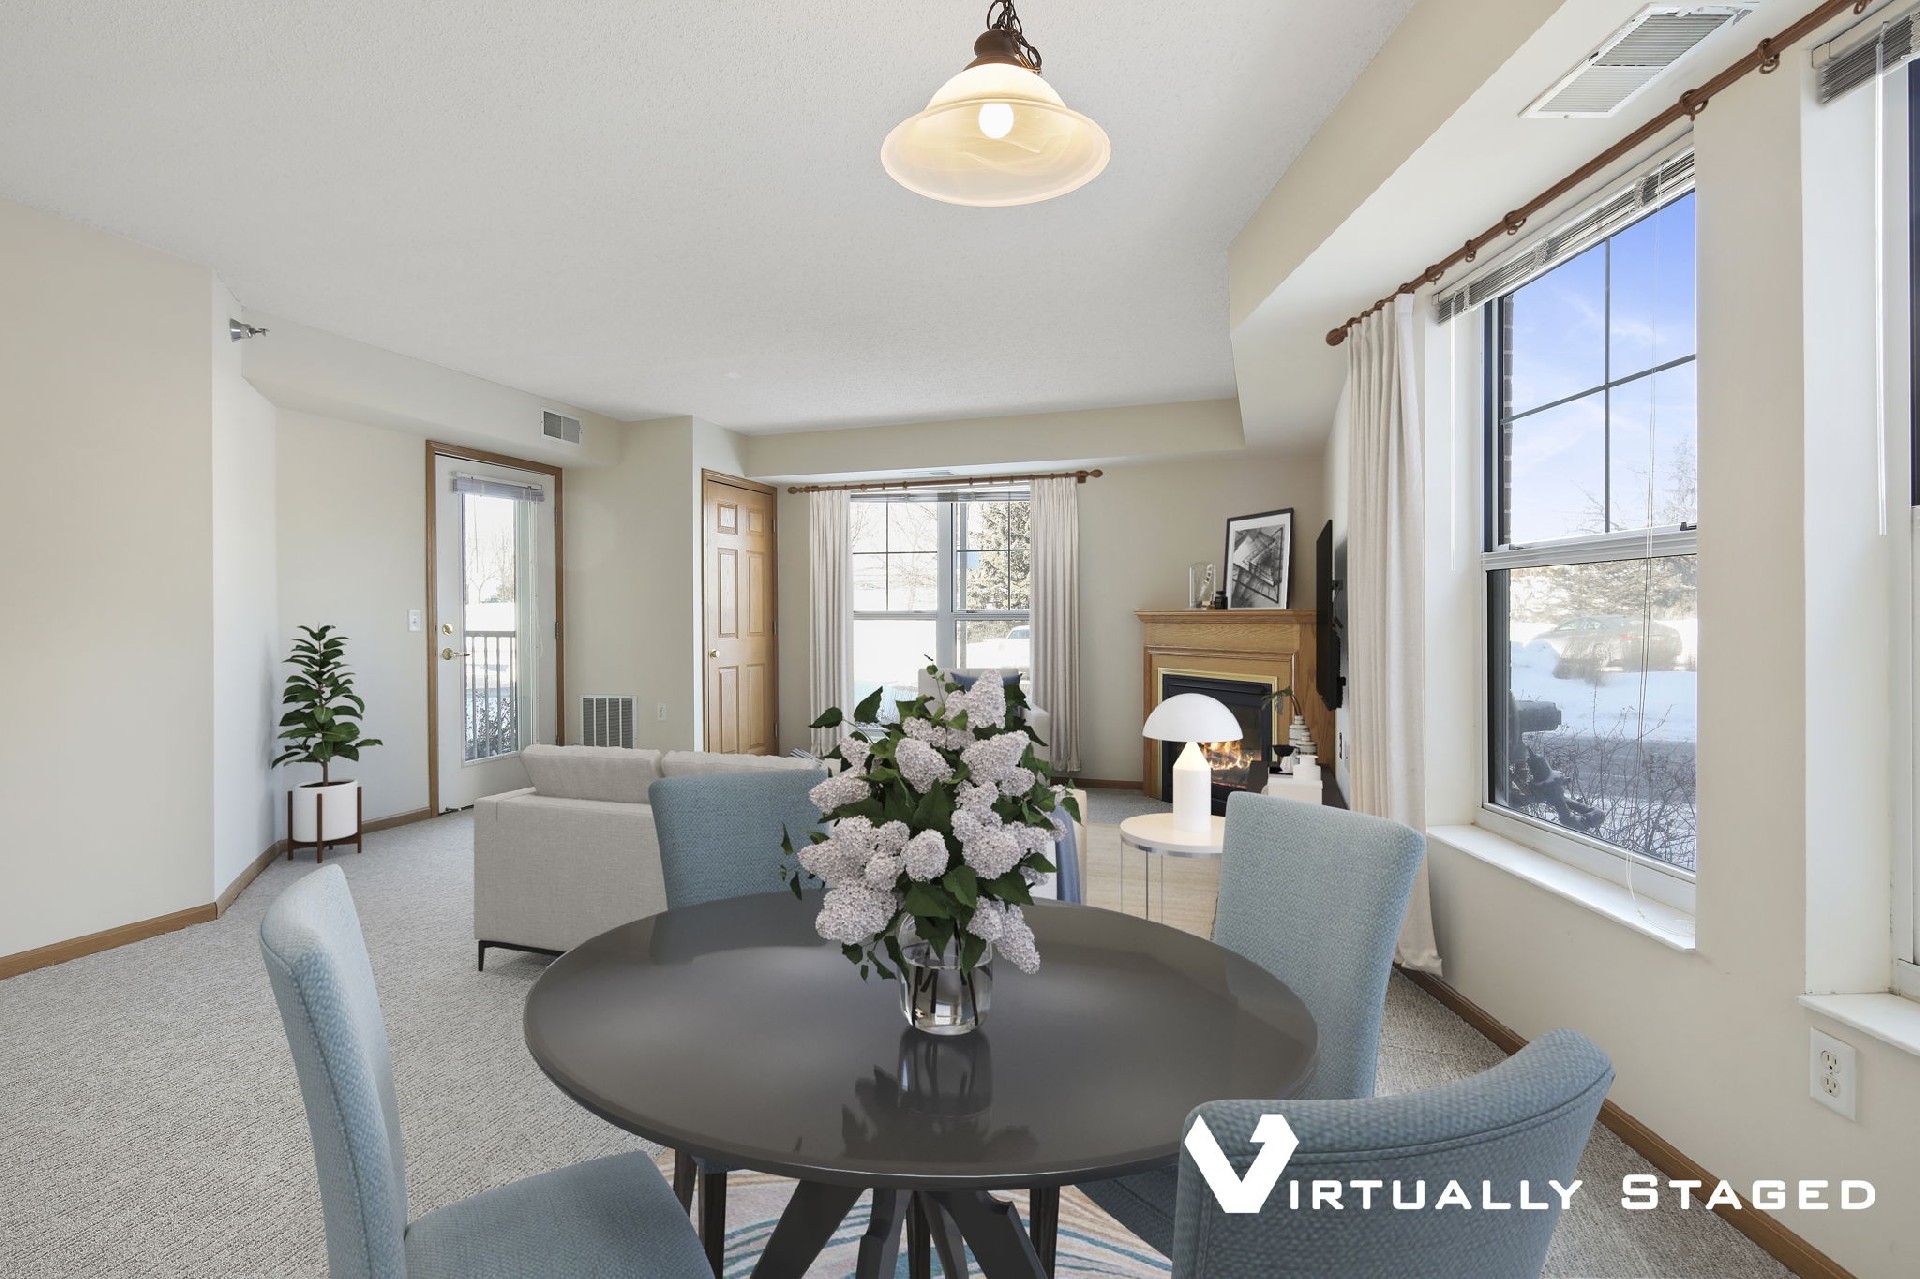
<point x="935" y="811"/>
<point x="832" y="717"/>
<point x="970" y="951"/>
<point x="963" y="884"/>
<point x="1010" y="888"/>
<point x="869" y="706"/>
<point x="924" y="901"/>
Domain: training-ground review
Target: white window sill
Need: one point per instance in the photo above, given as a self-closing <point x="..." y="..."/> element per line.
<point x="1892" y="1019"/>
<point x="1665" y="924"/>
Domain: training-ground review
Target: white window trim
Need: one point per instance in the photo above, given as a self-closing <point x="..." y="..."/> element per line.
<point x="1897" y="311"/>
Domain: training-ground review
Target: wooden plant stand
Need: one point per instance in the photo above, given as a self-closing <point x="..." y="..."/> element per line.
<point x="317" y="844"/>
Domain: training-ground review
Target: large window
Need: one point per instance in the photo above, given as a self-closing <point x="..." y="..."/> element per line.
<point x="942" y="581"/>
<point x="1590" y="557"/>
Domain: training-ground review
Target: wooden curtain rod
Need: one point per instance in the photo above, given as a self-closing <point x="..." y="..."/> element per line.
<point x="954" y="481"/>
<point x="1765" y="59"/>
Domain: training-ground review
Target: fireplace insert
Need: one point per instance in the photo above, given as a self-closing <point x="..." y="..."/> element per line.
<point x="1240" y="765"/>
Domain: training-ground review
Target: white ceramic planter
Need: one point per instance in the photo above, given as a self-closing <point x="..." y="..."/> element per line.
<point x="333" y="808"/>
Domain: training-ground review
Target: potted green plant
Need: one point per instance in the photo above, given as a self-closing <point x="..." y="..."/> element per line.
<point x="321" y="725"/>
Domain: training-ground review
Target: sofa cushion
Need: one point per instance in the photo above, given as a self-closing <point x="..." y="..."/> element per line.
<point x="611" y="773"/>
<point x="701" y="763"/>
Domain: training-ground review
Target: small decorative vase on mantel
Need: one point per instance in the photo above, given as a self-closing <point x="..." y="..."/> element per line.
<point x="940" y="823"/>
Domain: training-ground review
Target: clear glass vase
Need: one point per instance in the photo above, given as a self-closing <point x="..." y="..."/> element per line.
<point x="937" y="996"/>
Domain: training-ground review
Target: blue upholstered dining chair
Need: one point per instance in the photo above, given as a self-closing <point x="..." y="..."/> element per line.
<point x="1525" y="1120"/>
<point x="720" y="832"/>
<point x="613" y="1216"/>
<point x="1314" y="895"/>
<point x="720" y="837"/>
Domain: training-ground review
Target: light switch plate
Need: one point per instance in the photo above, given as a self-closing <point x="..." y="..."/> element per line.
<point x="413" y="619"/>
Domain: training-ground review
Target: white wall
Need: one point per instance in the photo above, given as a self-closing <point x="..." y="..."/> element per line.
<point x="632" y="547"/>
<point x="352" y="552"/>
<point x="1141" y="524"/>
<point x="107" y="774"/>
<point x="246" y="619"/>
<point x="1711" y="1046"/>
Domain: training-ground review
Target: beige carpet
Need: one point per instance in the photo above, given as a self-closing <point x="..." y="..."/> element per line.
<point x="150" y="1124"/>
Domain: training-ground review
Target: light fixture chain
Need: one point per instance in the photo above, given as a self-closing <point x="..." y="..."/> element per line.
<point x="1001" y="17"/>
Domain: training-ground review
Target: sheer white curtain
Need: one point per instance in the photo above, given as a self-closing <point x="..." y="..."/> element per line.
<point x="829" y="569"/>
<point x="1056" y="616"/>
<point x="1386" y="601"/>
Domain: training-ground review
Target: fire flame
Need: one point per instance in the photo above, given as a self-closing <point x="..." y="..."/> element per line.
<point x="1225" y="757"/>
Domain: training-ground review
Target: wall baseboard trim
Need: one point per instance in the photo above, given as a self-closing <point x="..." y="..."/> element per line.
<point x="111" y="938"/>
<point x="1104" y="783"/>
<point x="232" y="892"/>
<point x="1784" y="1246"/>
<point x="107" y="939"/>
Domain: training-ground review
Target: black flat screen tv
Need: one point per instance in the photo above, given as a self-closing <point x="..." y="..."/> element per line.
<point x="1329" y="620"/>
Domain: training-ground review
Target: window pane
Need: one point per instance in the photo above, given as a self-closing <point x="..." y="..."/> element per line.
<point x="867" y="526"/>
<point x="913" y="526"/>
<point x="869" y="583"/>
<point x="891" y="654"/>
<point x="1019" y="576"/>
<point x="1003" y="645"/>
<point x="1557" y="471"/>
<point x="1556" y="333"/>
<point x="1650" y="451"/>
<point x="1597" y="727"/>
<point x="1651" y="296"/>
<point x="913" y="583"/>
<point x="985" y="525"/>
<point x="986" y="584"/>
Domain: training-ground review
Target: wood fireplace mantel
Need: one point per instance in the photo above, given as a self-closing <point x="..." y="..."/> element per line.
<point x="1262" y="643"/>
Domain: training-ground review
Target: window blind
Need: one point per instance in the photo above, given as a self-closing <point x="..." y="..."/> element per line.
<point x="1663" y="182"/>
<point x="1881" y="50"/>
<point x="498" y="488"/>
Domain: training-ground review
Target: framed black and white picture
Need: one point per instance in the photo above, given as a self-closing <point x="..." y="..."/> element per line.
<point x="1259" y="559"/>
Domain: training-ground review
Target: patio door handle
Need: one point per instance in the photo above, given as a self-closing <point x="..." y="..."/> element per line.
<point x="447" y="655"/>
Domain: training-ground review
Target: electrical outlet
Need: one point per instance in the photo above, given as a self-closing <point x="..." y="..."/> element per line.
<point x="1830" y="1073"/>
<point x="660" y="710"/>
<point x="413" y="619"/>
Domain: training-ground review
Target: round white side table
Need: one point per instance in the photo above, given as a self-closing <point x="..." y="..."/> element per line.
<point x="1155" y="835"/>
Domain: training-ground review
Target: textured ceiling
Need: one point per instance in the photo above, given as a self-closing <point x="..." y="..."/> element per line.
<point x="652" y="209"/>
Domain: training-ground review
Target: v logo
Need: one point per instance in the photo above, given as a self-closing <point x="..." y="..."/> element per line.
<point x="1277" y="1143"/>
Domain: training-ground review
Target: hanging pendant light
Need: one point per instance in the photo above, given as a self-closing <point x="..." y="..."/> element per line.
<point x="996" y="134"/>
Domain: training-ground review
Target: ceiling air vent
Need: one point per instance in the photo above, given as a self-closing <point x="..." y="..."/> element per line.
<point x="1633" y="58"/>
<point x="558" y="426"/>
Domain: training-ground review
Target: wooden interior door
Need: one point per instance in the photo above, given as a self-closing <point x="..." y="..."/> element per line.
<point x="736" y="519"/>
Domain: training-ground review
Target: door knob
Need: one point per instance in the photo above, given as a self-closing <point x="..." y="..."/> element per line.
<point x="447" y="655"/>
<point x="713" y="652"/>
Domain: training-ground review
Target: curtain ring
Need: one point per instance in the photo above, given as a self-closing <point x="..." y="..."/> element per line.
<point x="1691" y="107"/>
<point x="1513" y="222"/>
<point x="1769" y="60"/>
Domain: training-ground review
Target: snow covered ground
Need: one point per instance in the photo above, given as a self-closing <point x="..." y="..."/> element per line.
<point x="1613" y="706"/>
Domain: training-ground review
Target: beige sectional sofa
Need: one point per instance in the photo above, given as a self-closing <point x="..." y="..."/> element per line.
<point x="575" y="853"/>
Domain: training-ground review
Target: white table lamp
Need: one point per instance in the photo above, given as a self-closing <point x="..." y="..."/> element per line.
<point x="1192" y="718"/>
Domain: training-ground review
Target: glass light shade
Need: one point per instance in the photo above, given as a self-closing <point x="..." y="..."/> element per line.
<point x="994" y="135"/>
<point x="1192" y="717"/>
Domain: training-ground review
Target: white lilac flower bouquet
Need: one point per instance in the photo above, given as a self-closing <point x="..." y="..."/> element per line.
<point x="939" y="823"/>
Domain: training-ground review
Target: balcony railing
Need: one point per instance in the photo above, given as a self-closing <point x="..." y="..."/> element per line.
<point x="493" y="694"/>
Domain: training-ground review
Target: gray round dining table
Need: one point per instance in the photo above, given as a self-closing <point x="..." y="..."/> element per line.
<point x="733" y="1032"/>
